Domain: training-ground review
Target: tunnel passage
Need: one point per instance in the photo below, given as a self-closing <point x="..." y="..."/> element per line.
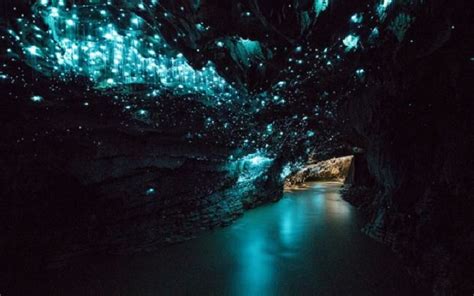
<point x="339" y="169"/>
<point x="125" y="101"/>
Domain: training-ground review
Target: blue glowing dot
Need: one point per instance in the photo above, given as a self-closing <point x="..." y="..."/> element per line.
<point x="135" y="21"/>
<point x="357" y="18"/>
<point x="375" y="33"/>
<point x="37" y="99"/>
<point x="54" y="12"/>
<point x="142" y="112"/>
<point x="70" y="22"/>
<point x="200" y="27"/>
<point x="351" y="42"/>
<point x="150" y="191"/>
<point x="270" y="128"/>
<point x="360" y="72"/>
<point x="34" y="50"/>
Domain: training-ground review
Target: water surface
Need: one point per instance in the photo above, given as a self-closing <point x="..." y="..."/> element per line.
<point x="309" y="243"/>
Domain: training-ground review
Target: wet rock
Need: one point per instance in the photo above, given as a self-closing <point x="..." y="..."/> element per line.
<point x="335" y="169"/>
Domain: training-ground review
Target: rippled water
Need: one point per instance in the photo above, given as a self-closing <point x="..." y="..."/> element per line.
<point x="309" y="243"/>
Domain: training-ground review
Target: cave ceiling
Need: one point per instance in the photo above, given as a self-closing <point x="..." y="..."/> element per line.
<point x="261" y="75"/>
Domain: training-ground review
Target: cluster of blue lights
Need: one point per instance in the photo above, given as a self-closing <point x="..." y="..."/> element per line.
<point x="112" y="48"/>
<point x="117" y="45"/>
<point x="251" y="166"/>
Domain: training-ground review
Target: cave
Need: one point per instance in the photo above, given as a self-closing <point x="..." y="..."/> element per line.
<point x="236" y="147"/>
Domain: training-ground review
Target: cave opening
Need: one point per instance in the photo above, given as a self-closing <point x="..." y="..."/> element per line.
<point x="236" y="147"/>
<point x="339" y="169"/>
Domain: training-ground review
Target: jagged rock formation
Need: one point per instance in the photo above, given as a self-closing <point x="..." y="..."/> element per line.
<point x="334" y="169"/>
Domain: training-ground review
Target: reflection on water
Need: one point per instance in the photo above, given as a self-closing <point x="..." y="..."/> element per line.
<point x="309" y="243"/>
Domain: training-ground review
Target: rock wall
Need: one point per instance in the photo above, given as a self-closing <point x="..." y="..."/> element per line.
<point x="78" y="181"/>
<point x="334" y="169"/>
<point x="415" y="118"/>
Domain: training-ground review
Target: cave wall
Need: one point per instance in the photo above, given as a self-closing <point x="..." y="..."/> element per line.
<point x="80" y="181"/>
<point x="416" y="120"/>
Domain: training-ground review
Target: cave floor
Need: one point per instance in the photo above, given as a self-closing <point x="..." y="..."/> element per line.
<point x="309" y="243"/>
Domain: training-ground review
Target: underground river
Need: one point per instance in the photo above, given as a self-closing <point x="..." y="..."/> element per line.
<point x="309" y="243"/>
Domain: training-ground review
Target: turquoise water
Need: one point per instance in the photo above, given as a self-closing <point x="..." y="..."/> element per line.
<point x="309" y="243"/>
